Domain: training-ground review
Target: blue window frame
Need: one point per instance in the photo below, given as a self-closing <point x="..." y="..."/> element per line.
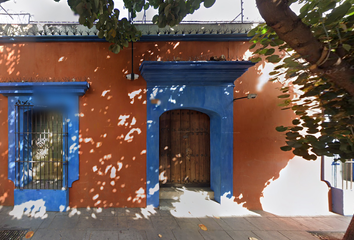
<point x="63" y="97"/>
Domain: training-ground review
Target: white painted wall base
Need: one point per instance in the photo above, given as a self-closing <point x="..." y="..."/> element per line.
<point x="298" y="191"/>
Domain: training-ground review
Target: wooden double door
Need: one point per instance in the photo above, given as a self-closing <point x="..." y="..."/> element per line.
<point x="184" y="148"/>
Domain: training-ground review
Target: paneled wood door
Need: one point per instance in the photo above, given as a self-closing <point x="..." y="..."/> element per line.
<point x="184" y="148"/>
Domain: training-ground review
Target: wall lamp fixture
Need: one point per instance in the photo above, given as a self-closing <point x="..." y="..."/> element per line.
<point x="249" y="96"/>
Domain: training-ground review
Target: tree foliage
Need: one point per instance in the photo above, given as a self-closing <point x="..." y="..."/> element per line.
<point x="120" y="32"/>
<point x="325" y="110"/>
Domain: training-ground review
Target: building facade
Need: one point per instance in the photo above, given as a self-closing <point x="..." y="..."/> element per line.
<point x="76" y="132"/>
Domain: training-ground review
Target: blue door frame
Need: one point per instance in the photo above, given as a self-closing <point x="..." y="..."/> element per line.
<point x="202" y="86"/>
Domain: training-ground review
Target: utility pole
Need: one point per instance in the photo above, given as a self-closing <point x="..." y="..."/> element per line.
<point x="241" y="11"/>
<point x="239" y="14"/>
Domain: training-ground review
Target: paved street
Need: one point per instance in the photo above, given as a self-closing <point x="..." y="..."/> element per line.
<point x="138" y="223"/>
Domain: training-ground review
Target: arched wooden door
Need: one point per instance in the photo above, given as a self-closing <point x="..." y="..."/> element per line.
<point x="184" y="148"/>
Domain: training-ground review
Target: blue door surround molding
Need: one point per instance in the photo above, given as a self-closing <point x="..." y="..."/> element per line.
<point x="205" y="86"/>
<point x="64" y="95"/>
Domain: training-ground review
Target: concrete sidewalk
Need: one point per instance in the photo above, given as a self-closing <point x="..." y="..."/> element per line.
<point x="144" y="223"/>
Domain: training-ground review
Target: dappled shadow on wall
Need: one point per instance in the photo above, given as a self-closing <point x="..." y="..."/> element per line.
<point x="296" y="189"/>
<point x="257" y="154"/>
<point x="112" y="146"/>
<point x="10" y="58"/>
<point x="266" y="177"/>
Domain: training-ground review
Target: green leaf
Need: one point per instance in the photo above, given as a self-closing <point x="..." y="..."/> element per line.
<point x="302" y="78"/>
<point x="116" y="49"/>
<point x="155" y="19"/>
<point x="270" y="51"/>
<point x="304" y="10"/>
<point x="319" y="151"/>
<point x="345" y="147"/>
<point x="325" y="5"/>
<point x="281" y="128"/>
<point x="328" y="96"/>
<point x="273" y="59"/>
<point x="338" y="13"/>
<point x="112" y="32"/>
<point x="82" y="20"/>
<point x="301" y="151"/>
<point x="296" y="122"/>
<point x="167" y="9"/>
<point x="294" y="144"/>
<point x="313" y="17"/>
<point x="285" y="103"/>
<point x="252" y="46"/>
<point x="255" y="60"/>
<point x="310" y="157"/>
<point x="252" y="32"/>
<point x="311" y="138"/>
<point x="296" y="128"/>
<point x="292" y="135"/>
<point x="208" y="3"/>
<point x="79" y="8"/>
<point x="286" y="148"/>
<point x="277" y="42"/>
<point x="312" y="130"/>
<point x="347" y="47"/>
<point x="100" y="34"/>
<point x="284" y="96"/>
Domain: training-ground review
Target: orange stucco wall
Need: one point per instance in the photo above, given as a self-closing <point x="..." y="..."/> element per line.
<point x="257" y="155"/>
<point x="113" y="117"/>
<point x="6" y="186"/>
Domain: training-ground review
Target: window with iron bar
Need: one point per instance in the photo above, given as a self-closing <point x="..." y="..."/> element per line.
<point x="41" y="147"/>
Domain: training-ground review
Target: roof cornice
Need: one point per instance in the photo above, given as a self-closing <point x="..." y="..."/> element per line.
<point x="197" y="73"/>
<point x="150" y="32"/>
<point x="29" y="88"/>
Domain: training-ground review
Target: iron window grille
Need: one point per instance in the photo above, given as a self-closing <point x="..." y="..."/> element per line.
<point x="41" y="138"/>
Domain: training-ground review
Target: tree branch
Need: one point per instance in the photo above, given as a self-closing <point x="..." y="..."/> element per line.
<point x="299" y="37"/>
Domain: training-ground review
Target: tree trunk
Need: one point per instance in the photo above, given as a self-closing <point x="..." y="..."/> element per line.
<point x="349" y="234"/>
<point x="299" y="37"/>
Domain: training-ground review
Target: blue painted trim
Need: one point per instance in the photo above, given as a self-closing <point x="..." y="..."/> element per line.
<point x="199" y="73"/>
<point x="30" y="88"/>
<point x="51" y="200"/>
<point x="62" y="95"/>
<point x="144" y="38"/>
<point x="214" y="99"/>
<point x="196" y="37"/>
